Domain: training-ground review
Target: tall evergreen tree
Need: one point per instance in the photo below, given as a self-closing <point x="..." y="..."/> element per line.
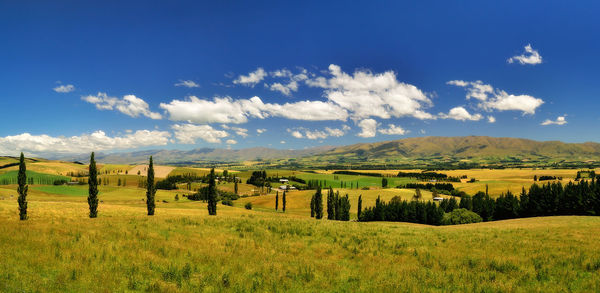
<point x="277" y="200"/>
<point x="312" y="206"/>
<point x="93" y="188"/>
<point x="359" y="207"/>
<point x="150" y="189"/>
<point x="22" y="189"/>
<point x="212" y="194"/>
<point x="330" y="205"/>
<point x="283" y="201"/>
<point x="318" y="204"/>
<point x="235" y="187"/>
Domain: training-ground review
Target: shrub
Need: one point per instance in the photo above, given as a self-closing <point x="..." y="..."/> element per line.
<point x="248" y="206"/>
<point x="461" y="216"/>
<point x="227" y="202"/>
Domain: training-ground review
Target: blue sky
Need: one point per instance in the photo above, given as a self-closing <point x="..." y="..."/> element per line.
<point x="108" y="76"/>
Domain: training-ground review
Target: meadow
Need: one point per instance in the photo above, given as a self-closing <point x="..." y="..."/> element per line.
<point x="182" y="249"/>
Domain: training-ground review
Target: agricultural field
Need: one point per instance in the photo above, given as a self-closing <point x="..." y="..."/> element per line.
<point x="181" y="248"/>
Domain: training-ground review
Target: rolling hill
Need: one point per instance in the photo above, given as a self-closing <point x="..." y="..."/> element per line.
<point x="418" y="151"/>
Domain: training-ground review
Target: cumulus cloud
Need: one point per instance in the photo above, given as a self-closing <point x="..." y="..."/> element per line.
<point x="130" y="105"/>
<point x="189" y="133"/>
<point x="530" y="56"/>
<point x="231" y="141"/>
<point x="560" y="120"/>
<point x="318" y="134"/>
<point x="64" y="88"/>
<point x="243" y="132"/>
<point x="291" y="85"/>
<point x="85" y="143"/>
<point x="496" y="99"/>
<point x="227" y="110"/>
<point x="368" y="128"/>
<point x="261" y="130"/>
<point x="365" y="94"/>
<point x="460" y="113"/>
<point x="393" y="130"/>
<point x="187" y="83"/>
<point x="491" y="119"/>
<point x="252" y="78"/>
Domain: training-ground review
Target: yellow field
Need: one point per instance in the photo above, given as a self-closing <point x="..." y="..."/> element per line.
<point x="181" y="248"/>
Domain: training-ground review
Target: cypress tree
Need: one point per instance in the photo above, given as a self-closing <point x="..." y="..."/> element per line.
<point x="22" y="189"/>
<point x="330" y="205"/>
<point x="93" y="188"/>
<point x="277" y="200"/>
<point x="312" y="206"/>
<point x="150" y="189"/>
<point x="235" y="187"/>
<point x="318" y="204"/>
<point x="359" y="207"/>
<point x="283" y="199"/>
<point x="212" y="194"/>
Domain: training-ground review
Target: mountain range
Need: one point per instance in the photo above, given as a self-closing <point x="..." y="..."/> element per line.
<point x="468" y="148"/>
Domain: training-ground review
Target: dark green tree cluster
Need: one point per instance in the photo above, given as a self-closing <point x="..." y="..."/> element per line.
<point x="150" y="189"/>
<point x="316" y="204"/>
<point x="93" y="188"/>
<point x="384" y="182"/>
<point x="212" y="194"/>
<point x="22" y="189"/>
<point x="338" y="207"/>
<point x="283" y="201"/>
<point x="398" y="210"/>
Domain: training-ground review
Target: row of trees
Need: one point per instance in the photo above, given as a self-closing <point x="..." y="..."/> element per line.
<point x="338" y="207"/>
<point x="551" y="199"/>
<point x="283" y="199"/>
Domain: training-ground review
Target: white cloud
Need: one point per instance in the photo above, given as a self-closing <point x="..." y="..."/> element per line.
<point x="261" y="130"/>
<point x="318" y="134"/>
<point x="227" y="110"/>
<point x="530" y="56"/>
<point x="252" y="78"/>
<point x="130" y="105"/>
<point x="243" y="132"/>
<point x="460" y="113"/>
<point x="187" y="83"/>
<point x="475" y="89"/>
<point x="491" y="119"/>
<point x="85" y="143"/>
<point x="296" y="133"/>
<point x="368" y="128"/>
<point x="64" y="88"/>
<point x="231" y="141"/>
<point x="393" y="130"/>
<point x="189" y="133"/>
<point x="560" y="120"/>
<point x="292" y="84"/>
<point x="365" y="94"/>
<point x="282" y="142"/>
<point x="496" y="99"/>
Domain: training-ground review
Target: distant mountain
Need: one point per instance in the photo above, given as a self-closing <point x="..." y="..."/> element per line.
<point x="475" y="148"/>
<point x="200" y="155"/>
<point x="422" y="150"/>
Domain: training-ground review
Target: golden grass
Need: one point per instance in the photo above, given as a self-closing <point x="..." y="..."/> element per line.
<point x="159" y="171"/>
<point x="181" y="248"/>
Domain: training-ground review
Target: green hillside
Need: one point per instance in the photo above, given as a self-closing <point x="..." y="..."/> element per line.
<point x="465" y="150"/>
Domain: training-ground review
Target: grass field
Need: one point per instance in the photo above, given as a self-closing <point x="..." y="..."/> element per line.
<point x="10" y="177"/>
<point x="183" y="249"/>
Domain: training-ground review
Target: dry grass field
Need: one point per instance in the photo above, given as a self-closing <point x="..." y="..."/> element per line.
<point x="182" y="249"/>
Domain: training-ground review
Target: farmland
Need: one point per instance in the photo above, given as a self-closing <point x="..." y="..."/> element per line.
<point x="181" y="248"/>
